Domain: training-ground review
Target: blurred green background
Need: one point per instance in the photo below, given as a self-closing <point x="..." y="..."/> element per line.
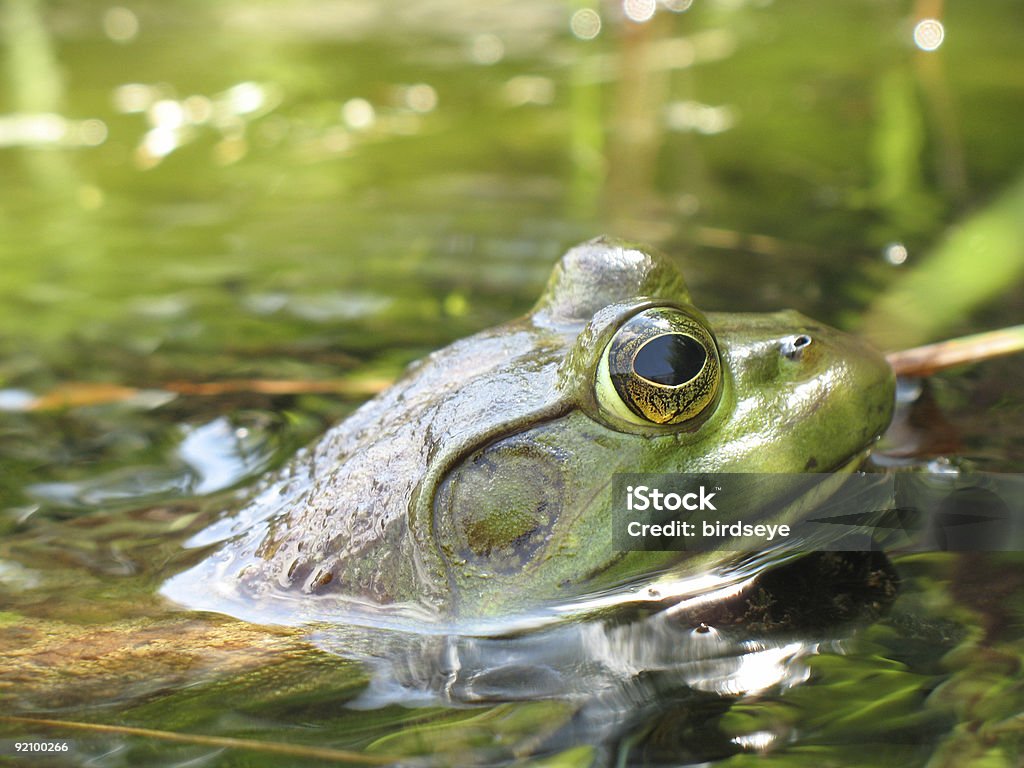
<point x="181" y="179"/>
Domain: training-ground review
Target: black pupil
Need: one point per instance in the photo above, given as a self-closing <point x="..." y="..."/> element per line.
<point x="672" y="359"/>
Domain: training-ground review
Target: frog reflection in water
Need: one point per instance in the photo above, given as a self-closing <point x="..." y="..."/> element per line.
<point x="480" y="482"/>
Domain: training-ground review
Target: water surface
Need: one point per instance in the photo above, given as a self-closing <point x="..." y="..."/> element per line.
<point x="324" y="191"/>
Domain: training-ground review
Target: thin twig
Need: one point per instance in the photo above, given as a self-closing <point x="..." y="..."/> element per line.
<point x="84" y="393"/>
<point x="357" y="387"/>
<point x="926" y="360"/>
<point x="293" y="750"/>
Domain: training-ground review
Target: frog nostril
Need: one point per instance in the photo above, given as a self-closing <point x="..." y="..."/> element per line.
<point x="793" y="347"/>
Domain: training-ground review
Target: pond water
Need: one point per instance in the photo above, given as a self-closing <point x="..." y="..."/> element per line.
<point x="209" y="207"/>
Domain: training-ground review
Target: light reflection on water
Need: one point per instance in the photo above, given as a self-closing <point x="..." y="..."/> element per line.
<point x="580" y="662"/>
<point x="206" y="458"/>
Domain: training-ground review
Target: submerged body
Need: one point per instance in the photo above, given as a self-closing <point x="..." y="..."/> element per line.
<point x="481" y="480"/>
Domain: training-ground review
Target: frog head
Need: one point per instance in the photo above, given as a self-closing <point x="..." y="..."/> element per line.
<point x="638" y="379"/>
<point x="480" y="482"/>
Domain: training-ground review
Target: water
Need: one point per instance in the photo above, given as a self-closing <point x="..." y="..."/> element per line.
<point x="295" y="192"/>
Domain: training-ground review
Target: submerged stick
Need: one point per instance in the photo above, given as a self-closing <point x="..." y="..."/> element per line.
<point x="292" y="750"/>
<point x="926" y="360"/>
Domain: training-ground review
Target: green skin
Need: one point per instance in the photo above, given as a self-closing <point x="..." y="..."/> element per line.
<point x="480" y="482"/>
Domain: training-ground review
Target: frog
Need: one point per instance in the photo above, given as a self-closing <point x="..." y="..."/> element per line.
<point x="479" y="482"/>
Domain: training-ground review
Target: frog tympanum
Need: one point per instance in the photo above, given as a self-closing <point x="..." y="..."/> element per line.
<point x="480" y="481"/>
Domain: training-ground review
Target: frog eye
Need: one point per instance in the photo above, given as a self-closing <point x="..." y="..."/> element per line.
<point x="661" y="367"/>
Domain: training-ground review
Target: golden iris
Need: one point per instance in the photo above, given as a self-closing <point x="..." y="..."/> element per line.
<point x="662" y="366"/>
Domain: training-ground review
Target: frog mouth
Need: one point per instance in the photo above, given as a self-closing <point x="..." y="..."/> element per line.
<point x="846" y="466"/>
<point x="711" y="581"/>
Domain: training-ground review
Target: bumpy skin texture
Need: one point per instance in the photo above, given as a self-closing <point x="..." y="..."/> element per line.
<point x="479" y="483"/>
